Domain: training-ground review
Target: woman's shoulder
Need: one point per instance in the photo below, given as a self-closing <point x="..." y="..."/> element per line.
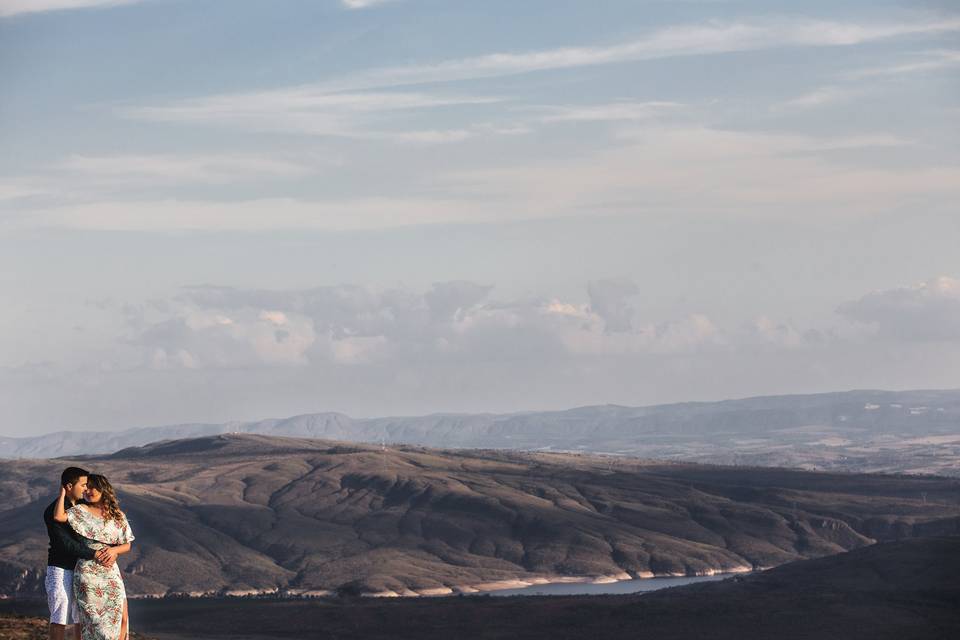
<point x="77" y="513"/>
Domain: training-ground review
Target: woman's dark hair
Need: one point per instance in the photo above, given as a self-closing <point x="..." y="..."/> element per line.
<point x="108" y="497"/>
<point x="71" y="475"/>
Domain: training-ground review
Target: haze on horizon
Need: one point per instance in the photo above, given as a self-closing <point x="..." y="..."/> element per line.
<point x="215" y="211"/>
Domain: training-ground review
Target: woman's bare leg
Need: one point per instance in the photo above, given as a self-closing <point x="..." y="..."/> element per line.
<point x="125" y="622"/>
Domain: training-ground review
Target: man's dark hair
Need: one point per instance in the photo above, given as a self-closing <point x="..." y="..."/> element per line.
<point x="70" y="475"/>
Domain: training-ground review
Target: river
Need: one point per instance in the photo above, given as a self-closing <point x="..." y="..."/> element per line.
<point x="588" y="588"/>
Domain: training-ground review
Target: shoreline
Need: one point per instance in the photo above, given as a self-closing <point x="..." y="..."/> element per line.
<point x="430" y="592"/>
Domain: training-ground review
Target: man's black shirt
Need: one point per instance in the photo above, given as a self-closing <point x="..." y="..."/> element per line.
<point x="66" y="545"/>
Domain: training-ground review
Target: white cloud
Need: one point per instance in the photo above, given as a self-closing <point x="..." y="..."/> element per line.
<point x="325" y="348"/>
<point x="363" y="4"/>
<point x="684" y="40"/>
<point x="677" y="169"/>
<point x="256" y="215"/>
<point x="448" y="299"/>
<point x="590" y="336"/>
<point x="610" y="112"/>
<point x="920" y="62"/>
<point x="610" y="299"/>
<point x="823" y="96"/>
<point x="432" y="136"/>
<point x="13" y="191"/>
<point x="198" y="338"/>
<point x="766" y="332"/>
<point x="223" y="327"/>
<point x="81" y="178"/>
<point x="928" y="310"/>
<point x="15" y="7"/>
<point x="310" y="110"/>
<point x="651" y="171"/>
<point x="179" y="169"/>
<point x="343" y="107"/>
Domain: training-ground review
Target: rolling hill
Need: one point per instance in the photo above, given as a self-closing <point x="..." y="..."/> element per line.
<point x="243" y="513"/>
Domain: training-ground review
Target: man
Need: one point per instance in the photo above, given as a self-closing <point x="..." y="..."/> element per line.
<point x="65" y="547"/>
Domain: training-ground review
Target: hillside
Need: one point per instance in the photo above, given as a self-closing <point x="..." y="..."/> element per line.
<point x="905" y="590"/>
<point x="35" y="627"/>
<point x="246" y="512"/>
<point x="860" y="431"/>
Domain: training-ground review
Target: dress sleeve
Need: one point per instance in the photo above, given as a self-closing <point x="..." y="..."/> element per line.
<point x="81" y="523"/>
<point x="126" y="533"/>
<point x="75" y="518"/>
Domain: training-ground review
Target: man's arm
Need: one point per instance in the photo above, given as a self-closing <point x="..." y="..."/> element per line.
<point x="68" y="541"/>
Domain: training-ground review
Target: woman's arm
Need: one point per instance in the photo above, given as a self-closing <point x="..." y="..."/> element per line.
<point x="59" y="513"/>
<point x="108" y="555"/>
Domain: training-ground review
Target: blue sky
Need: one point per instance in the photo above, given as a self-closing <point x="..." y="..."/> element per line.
<point x="215" y="210"/>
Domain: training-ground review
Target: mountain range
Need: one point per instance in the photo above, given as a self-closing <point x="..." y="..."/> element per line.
<point x="860" y="431"/>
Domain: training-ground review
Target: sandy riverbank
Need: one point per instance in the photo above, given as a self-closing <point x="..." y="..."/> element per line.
<point x="521" y="583"/>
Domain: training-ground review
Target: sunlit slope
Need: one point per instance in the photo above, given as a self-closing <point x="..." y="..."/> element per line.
<point x="247" y="512"/>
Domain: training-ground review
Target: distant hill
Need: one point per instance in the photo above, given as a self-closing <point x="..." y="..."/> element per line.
<point x="862" y="431"/>
<point x="256" y="513"/>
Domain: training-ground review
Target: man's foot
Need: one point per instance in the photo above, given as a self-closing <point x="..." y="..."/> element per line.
<point x="58" y="631"/>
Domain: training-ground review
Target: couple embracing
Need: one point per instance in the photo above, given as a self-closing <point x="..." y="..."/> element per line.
<point x="87" y="532"/>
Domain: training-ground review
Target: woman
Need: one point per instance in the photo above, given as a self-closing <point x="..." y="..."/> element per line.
<point x="99" y="591"/>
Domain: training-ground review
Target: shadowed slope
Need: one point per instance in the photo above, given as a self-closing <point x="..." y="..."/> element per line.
<point x="905" y="590"/>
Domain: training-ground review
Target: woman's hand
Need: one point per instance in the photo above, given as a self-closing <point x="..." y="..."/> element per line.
<point x="59" y="513"/>
<point x="107" y="556"/>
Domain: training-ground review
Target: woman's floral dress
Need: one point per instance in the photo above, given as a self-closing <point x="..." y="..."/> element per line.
<point x="99" y="590"/>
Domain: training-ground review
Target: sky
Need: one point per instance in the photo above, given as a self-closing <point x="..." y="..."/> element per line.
<point x="218" y="210"/>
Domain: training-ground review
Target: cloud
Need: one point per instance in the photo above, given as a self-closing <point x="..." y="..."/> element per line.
<point x="16" y="7"/>
<point x="346" y="107"/>
<point x="737" y="173"/>
<point x="682" y="40"/>
<point x="311" y="110"/>
<point x="609" y="299"/>
<point x="925" y="311"/>
<point x="200" y="338"/>
<point x="823" y="96"/>
<point x="610" y="112"/>
<point x="447" y="299"/>
<point x="766" y="333"/>
<point x="179" y="169"/>
<point x="224" y="327"/>
<point x="924" y="61"/>
<point x="14" y="191"/>
<point x="387" y="351"/>
<point x="362" y="213"/>
<point x="920" y="62"/>
<point x="363" y="4"/>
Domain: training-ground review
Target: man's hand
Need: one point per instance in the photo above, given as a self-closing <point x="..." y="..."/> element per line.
<point x="106" y="556"/>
